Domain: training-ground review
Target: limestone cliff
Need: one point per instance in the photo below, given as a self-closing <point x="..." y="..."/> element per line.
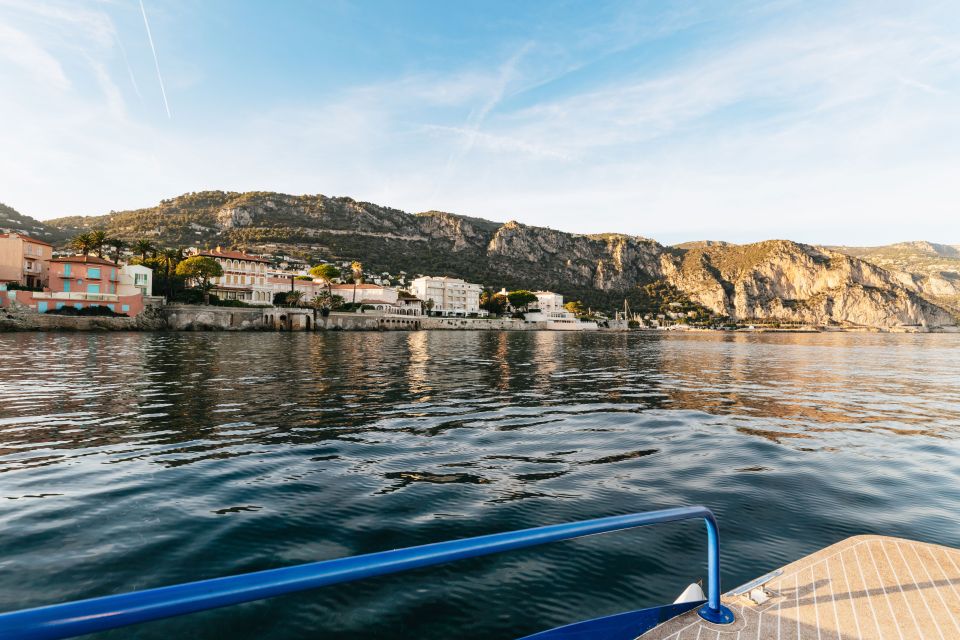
<point x="784" y="280"/>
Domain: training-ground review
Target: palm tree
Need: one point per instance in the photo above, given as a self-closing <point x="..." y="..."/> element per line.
<point x="118" y="246"/>
<point x="170" y="258"/>
<point x="294" y="297"/>
<point x="98" y="239"/>
<point x="82" y="243"/>
<point x="143" y="247"/>
<point x="356" y="268"/>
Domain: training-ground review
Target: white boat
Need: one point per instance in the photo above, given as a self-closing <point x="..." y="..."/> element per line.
<point x="560" y="321"/>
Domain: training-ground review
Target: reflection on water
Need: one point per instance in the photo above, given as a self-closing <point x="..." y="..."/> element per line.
<point x="137" y="460"/>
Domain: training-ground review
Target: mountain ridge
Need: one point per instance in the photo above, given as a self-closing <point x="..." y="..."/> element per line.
<point x="775" y="279"/>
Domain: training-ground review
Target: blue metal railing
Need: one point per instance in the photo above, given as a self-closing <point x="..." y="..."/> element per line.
<point x="109" y="612"/>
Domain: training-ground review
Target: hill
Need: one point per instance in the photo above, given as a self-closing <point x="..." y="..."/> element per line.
<point x="779" y="279"/>
<point x="13" y="220"/>
<point x="930" y="269"/>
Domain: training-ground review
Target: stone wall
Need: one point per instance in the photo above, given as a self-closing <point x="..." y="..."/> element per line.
<point x="199" y="318"/>
<point x="20" y="320"/>
<point x="482" y="324"/>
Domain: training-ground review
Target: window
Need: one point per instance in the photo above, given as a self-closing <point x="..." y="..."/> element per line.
<point x="93" y="288"/>
<point x="93" y="273"/>
<point x="66" y="285"/>
<point x="125" y="308"/>
<point x="66" y="270"/>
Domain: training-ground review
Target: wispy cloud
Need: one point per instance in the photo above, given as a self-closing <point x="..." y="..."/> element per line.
<point x="821" y="122"/>
<point x="156" y="60"/>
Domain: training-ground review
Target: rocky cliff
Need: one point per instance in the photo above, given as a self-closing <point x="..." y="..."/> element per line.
<point x="776" y="279"/>
<point x="784" y="280"/>
<point x="929" y="269"/>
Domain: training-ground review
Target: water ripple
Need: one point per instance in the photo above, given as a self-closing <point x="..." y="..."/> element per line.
<point x="137" y="460"/>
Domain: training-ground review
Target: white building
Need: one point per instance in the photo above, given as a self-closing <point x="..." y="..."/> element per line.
<point x="135" y="279"/>
<point x="284" y="283"/>
<point x="551" y="313"/>
<point x="381" y="298"/>
<point x="244" y="276"/>
<point x="450" y="296"/>
<point x="549" y="302"/>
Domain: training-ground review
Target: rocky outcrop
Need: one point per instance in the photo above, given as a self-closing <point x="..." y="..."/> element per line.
<point x="785" y="280"/>
<point x="29" y="320"/>
<point x="929" y="269"/>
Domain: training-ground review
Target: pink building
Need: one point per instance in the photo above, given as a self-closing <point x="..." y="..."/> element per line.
<point x="79" y="282"/>
<point x="84" y="274"/>
<point x="24" y="260"/>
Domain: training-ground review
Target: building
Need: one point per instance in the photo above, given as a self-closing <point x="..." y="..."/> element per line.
<point x="448" y="296"/>
<point x="80" y="282"/>
<point x="24" y="260"/>
<point x="283" y="284"/>
<point x="409" y="304"/>
<point x="381" y="298"/>
<point x="135" y="279"/>
<point x="244" y="276"/>
<point x="549" y="302"/>
<point x="84" y="274"/>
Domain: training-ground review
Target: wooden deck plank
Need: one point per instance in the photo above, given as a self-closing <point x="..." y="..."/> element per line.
<point x="863" y="588"/>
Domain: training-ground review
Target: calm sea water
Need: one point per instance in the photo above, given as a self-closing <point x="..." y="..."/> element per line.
<point x="130" y="461"/>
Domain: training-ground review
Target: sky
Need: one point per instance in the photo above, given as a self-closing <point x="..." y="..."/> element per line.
<point x="826" y="122"/>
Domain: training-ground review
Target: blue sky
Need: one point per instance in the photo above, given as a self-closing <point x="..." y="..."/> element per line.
<point x="825" y="122"/>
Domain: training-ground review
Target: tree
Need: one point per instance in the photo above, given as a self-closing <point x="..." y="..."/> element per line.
<point x="294" y="298"/>
<point x="356" y="268"/>
<point x="199" y="270"/>
<point x="326" y="273"/>
<point x="326" y="301"/>
<point x="576" y="308"/>
<point x="143" y="247"/>
<point x="170" y="259"/>
<point x="118" y="246"/>
<point x="493" y="303"/>
<point x="98" y="240"/>
<point x="521" y="299"/>
<point x="429" y="304"/>
<point x="82" y="243"/>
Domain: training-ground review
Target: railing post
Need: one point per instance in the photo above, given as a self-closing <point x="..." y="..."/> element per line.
<point x="713" y="611"/>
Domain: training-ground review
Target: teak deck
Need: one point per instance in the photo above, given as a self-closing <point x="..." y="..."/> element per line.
<point x="862" y="587"/>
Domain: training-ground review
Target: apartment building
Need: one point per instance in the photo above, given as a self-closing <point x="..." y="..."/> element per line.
<point x="24" y="260"/>
<point x="449" y="296"/>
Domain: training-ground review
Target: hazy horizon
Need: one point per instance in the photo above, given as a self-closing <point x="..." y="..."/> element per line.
<point x="821" y="122"/>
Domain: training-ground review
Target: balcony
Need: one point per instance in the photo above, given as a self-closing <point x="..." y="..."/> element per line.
<point x="76" y="295"/>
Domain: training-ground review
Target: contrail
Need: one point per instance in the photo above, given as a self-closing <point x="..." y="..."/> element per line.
<point x="155" y="60"/>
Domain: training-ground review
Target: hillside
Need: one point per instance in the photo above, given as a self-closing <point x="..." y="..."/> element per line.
<point x="779" y="279"/>
<point x="13" y="220"/>
<point x="927" y="268"/>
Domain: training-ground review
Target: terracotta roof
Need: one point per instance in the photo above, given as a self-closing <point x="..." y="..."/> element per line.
<point x="359" y="286"/>
<point x="232" y="255"/>
<point x="25" y="237"/>
<point x="85" y="260"/>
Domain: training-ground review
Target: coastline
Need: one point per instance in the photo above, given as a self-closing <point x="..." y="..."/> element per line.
<point x="280" y="319"/>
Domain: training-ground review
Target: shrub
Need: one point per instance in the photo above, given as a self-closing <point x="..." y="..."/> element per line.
<point x="98" y="311"/>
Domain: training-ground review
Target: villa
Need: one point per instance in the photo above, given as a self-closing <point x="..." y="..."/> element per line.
<point x="244" y="276"/>
<point x="449" y="296"/>
<point x="24" y="260"/>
